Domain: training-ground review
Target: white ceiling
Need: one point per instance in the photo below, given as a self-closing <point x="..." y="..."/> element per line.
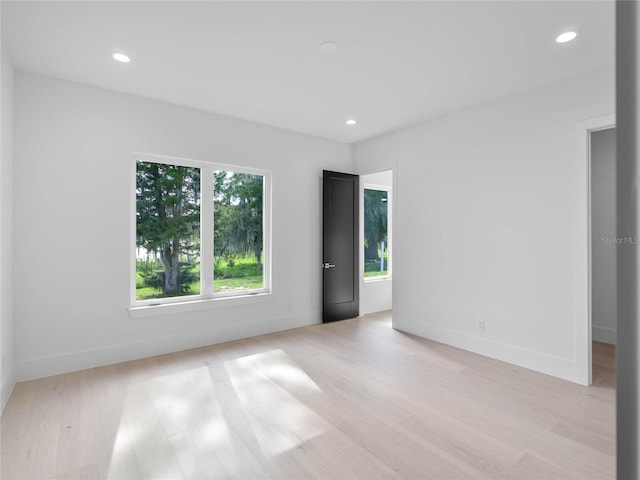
<point x="397" y="63"/>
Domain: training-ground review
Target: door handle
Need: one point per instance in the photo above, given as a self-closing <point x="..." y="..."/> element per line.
<point x="328" y="265"/>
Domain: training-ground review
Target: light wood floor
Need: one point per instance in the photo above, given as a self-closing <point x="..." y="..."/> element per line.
<point x="352" y="399"/>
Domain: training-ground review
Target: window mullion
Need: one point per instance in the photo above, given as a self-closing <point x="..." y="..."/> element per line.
<point x="206" y="231"/>
<point x="266" y="230"/>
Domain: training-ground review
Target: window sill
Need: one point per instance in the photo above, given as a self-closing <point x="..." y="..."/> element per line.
<point x="376" y="279"/>
<point x="197" y="305"/>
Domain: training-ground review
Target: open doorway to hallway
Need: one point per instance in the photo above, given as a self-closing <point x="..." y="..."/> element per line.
<point x="603" y="257"/>
<point x="376" y="242"/>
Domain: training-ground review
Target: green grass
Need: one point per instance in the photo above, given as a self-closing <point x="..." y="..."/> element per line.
<point x="375" y="274"/>
<point x="245" y="283"/>
<point x="372" y="267"/>
<point x="147" y="293"/>
<point x="243" y="275"/>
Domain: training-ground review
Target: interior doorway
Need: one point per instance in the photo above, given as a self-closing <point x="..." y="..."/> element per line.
<point x="376" y="241"/>
<point x="604" y="242"/>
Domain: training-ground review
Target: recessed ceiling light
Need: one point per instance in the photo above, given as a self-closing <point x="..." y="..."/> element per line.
<point x="329" y="46"/>
<point x="566" y="37"/>
<point x="121" y="57"/>
<point x="351" y="122"/>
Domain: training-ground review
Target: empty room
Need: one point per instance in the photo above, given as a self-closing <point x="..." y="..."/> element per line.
<point x="309" y="240"/>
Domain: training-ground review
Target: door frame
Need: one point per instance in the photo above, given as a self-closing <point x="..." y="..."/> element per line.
<point x="385" y="167"/>
<point x="584" y="327"/>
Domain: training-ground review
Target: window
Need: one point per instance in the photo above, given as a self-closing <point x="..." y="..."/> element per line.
<point x="377" y="233"/>
<point x="200" y="230"/>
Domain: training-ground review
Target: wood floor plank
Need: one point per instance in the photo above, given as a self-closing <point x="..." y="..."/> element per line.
<point x="36" y="450"/>
<point x="348" y="400"/>
<point x="78" y="423"/>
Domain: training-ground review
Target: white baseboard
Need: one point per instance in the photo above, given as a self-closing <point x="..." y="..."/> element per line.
<point x="604" y="334"/>
<point x="540" y="362"/>
<point x="71" y="362"/>
<point x="5" y="390"/>
<point x="375" y="307"/>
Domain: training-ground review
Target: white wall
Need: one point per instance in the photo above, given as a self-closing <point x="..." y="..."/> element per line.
<point x="491" y="225"/>
<point x="72" y="193"/>
<point x="383" y="178"/>
<point x="603" y="235"/>
<point x="375" y="294"/>
<point x="6" y="291"/>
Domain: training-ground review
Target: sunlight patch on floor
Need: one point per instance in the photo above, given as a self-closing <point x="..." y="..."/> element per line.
<point x="279" y="420"/>
<point x="123" y="454"/>
<point x="262" y="391"/>
<point x="185" y="400"/>
<point x="185" y="410"/>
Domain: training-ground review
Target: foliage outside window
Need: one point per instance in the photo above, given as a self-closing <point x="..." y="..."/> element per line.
<point x="200" y="231"/>
<point x="238" y="231"/>
<point x="376" y="233"/>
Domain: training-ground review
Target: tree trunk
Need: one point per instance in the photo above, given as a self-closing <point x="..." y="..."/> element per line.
<point x="257" y="251"/>
<point x="371" y="252"/>
<point x="257" y="248"/>
<point x="171" y="264"/>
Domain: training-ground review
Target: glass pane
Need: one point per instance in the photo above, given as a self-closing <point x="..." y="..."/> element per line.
<point x="167" y="230"/>
<point x="238" y="232"/>
<point x="375" y="233"/>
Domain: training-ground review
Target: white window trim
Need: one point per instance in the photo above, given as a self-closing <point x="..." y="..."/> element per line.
<point x="191" y="305"/>
<point x="389" y="190"/>
<point x="207" y="298"/>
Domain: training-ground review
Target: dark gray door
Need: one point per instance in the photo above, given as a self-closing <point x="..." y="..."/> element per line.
<point x="340" y="282"/>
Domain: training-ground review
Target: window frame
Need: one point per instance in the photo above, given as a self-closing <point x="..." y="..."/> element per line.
<point x="389" y="190"/>
<point x="207" y="222"/>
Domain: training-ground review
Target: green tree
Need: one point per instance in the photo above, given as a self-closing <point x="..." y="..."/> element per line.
<point x="168" y="216"/>
<point x="375" y="221"/>
<point x="238" y="214"/>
